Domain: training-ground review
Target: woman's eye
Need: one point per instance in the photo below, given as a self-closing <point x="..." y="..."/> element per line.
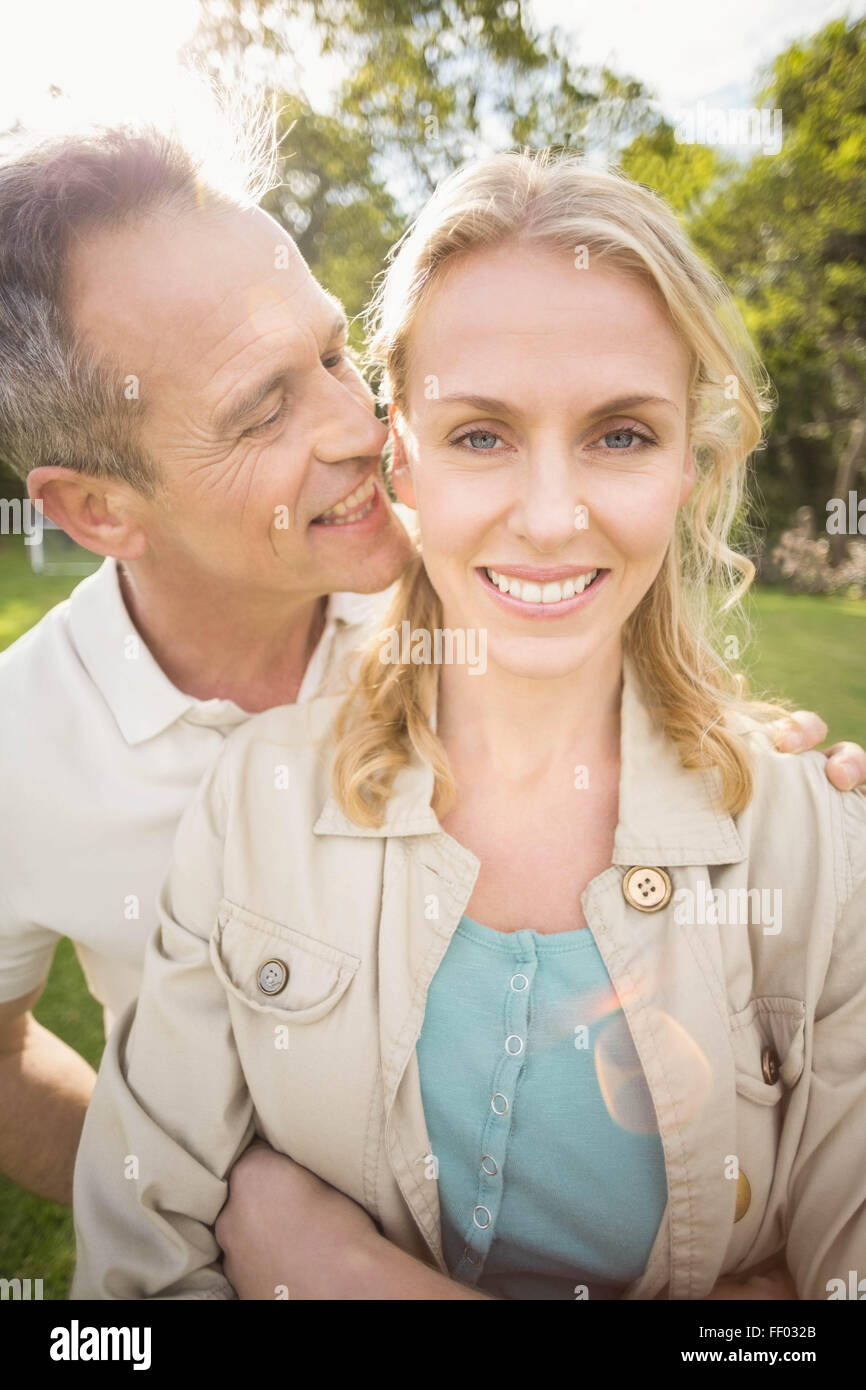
<point x="621" y="439"/>
<point x="482" y="439"/>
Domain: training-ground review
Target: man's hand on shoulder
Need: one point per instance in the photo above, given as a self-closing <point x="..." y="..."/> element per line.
<point x="846" y="762"/>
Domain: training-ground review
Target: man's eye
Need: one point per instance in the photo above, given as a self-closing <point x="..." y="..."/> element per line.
<point x="267" y="424"/>
<point x="483" y="439"/>
<point x="334" y="360"/>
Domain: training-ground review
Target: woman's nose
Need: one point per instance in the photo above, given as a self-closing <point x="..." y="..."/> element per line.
<point x="550" y="509"/>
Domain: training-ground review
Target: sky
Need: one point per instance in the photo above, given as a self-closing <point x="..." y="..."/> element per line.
<point x="685" y="50"/>
<point x="116" y="57"/>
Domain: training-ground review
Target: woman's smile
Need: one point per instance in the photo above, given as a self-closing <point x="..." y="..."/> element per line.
<point x="551" y="593"/>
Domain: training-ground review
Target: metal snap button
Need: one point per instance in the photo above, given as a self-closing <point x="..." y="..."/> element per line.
<point x="770" y="1066"/>
<point x="471" y="1256"/>
<point x="499" y="1110"/>
<point x="646" y="888"/>
<point x="272" y="976"/>
<point x="482" y="1225"/>
<point x="519" y="982"/>
<point x="489" y="1165"/>
<point x="513" y="1045"/>
<point x="744" y="1196"/>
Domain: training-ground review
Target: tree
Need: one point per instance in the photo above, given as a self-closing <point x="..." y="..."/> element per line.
<point x="790" y="235"/>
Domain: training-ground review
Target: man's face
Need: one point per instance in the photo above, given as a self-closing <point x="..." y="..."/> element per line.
<point x="259" y="422"/>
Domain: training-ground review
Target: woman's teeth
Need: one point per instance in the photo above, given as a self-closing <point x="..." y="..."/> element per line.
<point x="554" y="592"/>
<point x="353" y="507"/>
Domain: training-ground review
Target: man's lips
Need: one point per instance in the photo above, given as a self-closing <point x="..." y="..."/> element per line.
<point x="353" y="507"/>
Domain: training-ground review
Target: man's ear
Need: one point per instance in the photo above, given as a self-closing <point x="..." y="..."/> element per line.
<point x="401" y="475"/>
<point x="103" y="515"/>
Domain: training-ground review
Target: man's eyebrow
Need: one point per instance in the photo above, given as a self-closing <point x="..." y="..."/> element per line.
<point x="489" y="405"/>
<point x="240" y="406"/>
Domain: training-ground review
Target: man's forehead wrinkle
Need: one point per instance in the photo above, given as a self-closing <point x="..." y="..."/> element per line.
<point x="277" y="346"/>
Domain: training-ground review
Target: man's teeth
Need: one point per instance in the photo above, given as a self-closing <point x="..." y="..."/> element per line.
<point x="553" y="592"/>
<point x="353" y="507"/>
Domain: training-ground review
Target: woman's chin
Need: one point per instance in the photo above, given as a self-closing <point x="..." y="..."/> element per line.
<point x="539" y="658"/>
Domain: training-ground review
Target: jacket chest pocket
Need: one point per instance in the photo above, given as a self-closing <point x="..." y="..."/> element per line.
<point x="768" y="1043"/>
<point x="277" y="970"/>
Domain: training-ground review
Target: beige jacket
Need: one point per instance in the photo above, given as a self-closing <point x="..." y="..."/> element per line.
<point x="752" y="1036"/>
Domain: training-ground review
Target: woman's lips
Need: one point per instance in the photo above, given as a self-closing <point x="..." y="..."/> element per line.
<point x="551" y="585"/>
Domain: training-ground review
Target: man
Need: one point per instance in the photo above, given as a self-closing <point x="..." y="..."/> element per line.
<point x="176" y="390"/>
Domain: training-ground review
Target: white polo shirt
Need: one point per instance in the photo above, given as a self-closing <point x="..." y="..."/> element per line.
<point x="99" y="755"/>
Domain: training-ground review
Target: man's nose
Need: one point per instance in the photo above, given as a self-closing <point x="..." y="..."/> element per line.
<point x="346" y="425"/>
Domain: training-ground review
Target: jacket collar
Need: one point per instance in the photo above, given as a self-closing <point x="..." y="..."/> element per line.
<point x="666" y="812"/>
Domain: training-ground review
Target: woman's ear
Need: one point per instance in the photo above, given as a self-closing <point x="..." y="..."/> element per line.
<point x="401" y="473"/>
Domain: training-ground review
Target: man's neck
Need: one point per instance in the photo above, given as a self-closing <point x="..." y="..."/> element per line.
<point x="216" y="643"/>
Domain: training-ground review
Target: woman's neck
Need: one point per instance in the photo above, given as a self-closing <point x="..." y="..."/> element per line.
<point x="522" y="729"/>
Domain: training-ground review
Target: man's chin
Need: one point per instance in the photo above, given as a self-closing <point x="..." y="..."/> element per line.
<point x="380" y="563"/>
<point x="372" y="578"/>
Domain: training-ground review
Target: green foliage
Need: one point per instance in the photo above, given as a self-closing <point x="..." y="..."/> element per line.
<point x="789" y="235"/>
<point x="682" y="173"/>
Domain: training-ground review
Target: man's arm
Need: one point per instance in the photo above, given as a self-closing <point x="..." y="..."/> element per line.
<point x="45" y="1089"/>
<point x="285" y="1229"/>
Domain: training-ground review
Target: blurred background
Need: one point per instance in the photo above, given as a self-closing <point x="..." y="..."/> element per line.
<point x="753" y="126"/>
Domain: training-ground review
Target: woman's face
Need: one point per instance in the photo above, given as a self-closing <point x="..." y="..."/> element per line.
<point x="543" y="442"/>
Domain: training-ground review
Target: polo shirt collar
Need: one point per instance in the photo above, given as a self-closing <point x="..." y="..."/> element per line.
<point x="142" y="699"/>
<point x="139" y="694"/>
<point x="667" y="813"/>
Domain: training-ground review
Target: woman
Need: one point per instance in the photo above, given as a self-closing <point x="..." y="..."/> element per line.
<point x="547" y="961"/>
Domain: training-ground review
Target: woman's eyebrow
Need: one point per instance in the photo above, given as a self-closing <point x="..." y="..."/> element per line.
<point x="491" y="406"/>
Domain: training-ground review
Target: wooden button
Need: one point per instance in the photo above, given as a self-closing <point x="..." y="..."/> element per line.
<point x="273" y="976"/>
<point x="744" y="1197"/>
<point x="647" y="889"/>
<point x="770" y="1066"/>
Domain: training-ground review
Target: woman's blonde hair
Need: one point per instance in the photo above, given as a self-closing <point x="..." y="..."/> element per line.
<point x="672" y="635"/>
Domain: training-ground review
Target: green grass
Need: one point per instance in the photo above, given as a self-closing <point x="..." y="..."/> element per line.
<point x="25" y="596"/>
<point x="36" y="1240"/>
<point x="811" y="650"/>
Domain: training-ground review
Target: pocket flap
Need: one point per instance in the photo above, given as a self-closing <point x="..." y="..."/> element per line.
<point x="317" y="974"/>
<point x="776" y="1023"/>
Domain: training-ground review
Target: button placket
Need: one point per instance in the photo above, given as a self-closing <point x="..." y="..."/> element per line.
<point x="481" y="1226"/>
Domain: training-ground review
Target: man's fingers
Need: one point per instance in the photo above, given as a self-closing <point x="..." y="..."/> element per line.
<point x="799" y="731"/>
<point x="846" y="765"/>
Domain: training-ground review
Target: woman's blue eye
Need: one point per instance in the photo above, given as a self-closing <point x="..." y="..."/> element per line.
<point x="485" y="435"/>
<point x="622" y="438"/>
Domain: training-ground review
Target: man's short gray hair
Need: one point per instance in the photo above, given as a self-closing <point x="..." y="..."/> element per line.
<point x="62" y="402"/>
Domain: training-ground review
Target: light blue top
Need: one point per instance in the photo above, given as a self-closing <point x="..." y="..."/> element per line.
<point x="551" y="1171"/>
